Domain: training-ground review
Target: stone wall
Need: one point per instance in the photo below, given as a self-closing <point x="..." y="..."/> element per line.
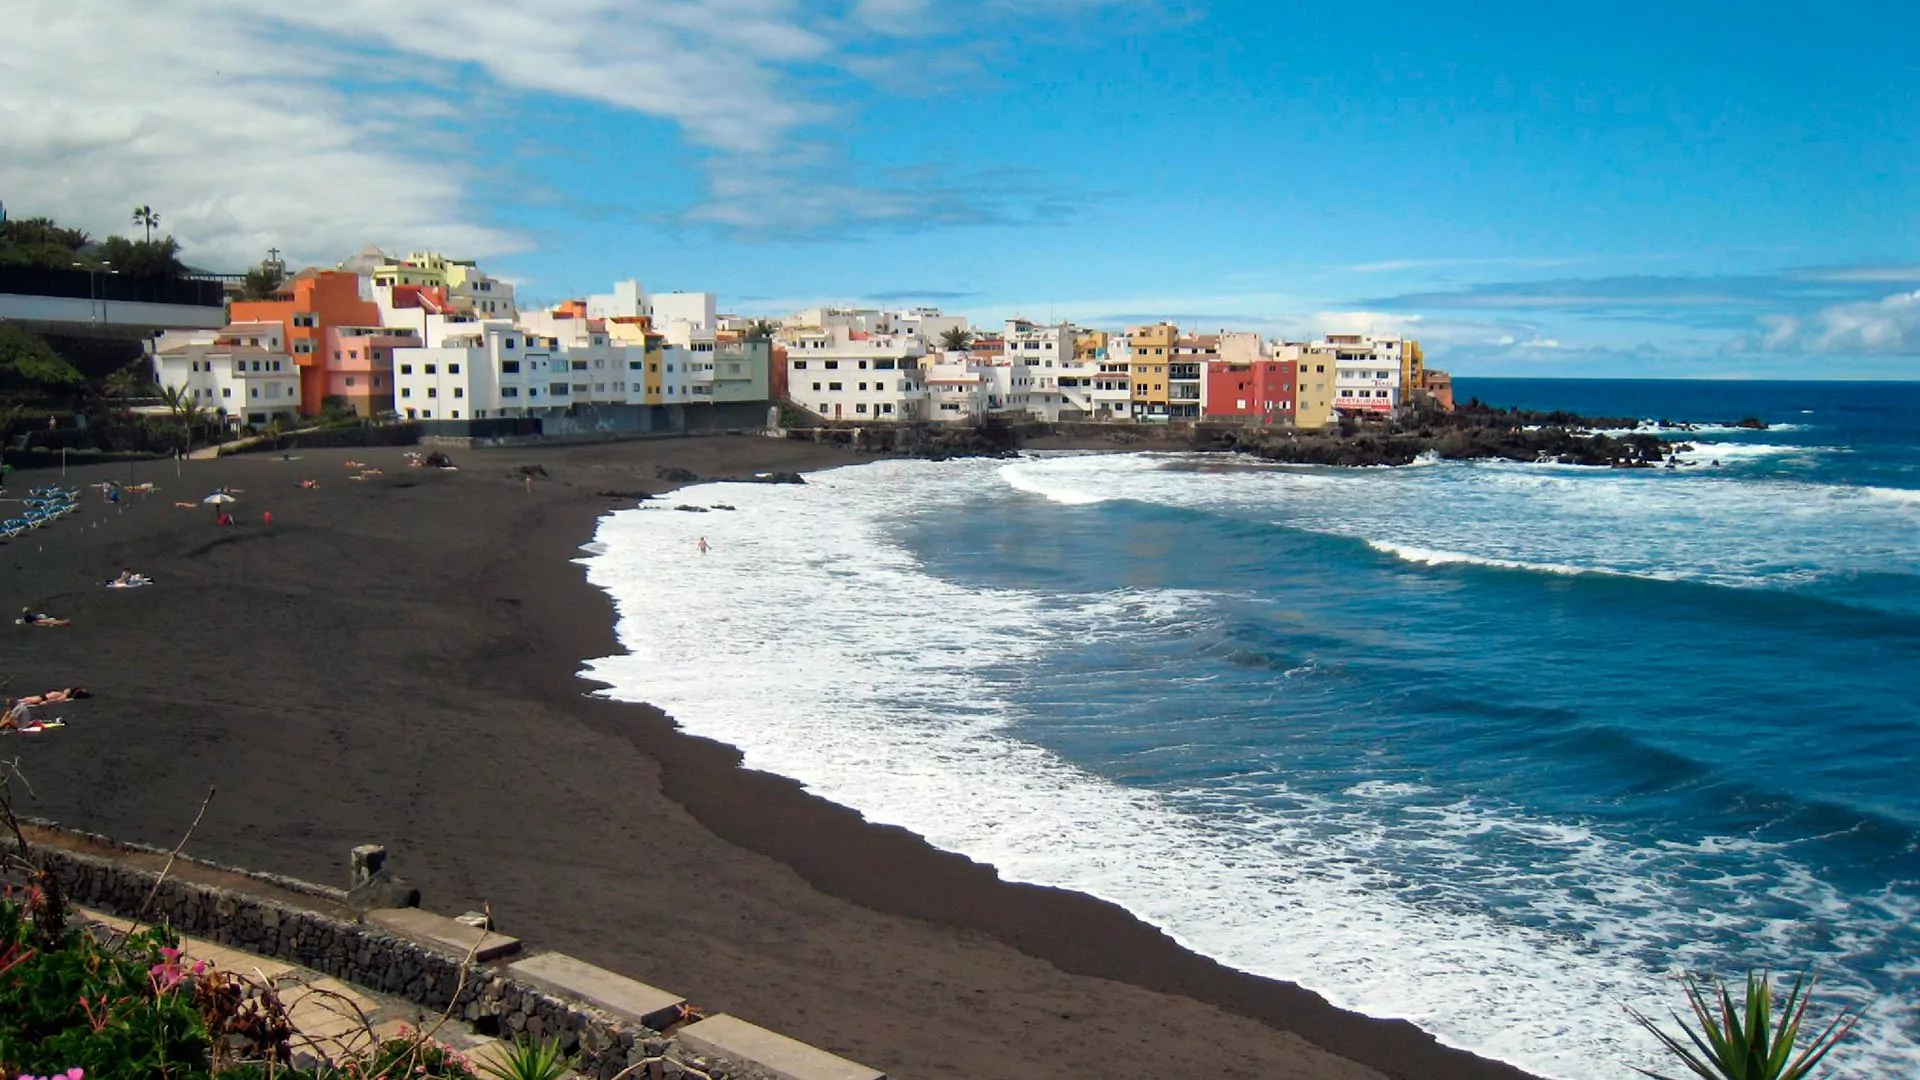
<point x="482" y="995"/>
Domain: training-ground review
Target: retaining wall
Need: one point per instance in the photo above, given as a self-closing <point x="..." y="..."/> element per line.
<point x="488" y="998"/>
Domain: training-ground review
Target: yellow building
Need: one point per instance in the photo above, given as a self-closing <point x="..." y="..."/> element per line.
<point x="1152" y="348"/>
<point x="1314" y="375"/>
<point x="420" y="268"/>
<point x="1090" y="346"/>
<point x="1413" y="369"/>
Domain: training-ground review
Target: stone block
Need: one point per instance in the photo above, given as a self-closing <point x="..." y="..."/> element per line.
<point x="726" y="1036"/>
<point x="442" y="934"/>
<point x="610" y="991"/>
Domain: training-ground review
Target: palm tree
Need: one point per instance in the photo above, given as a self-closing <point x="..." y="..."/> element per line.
<point x="1731" y="1043"/>
<point x="124" y="383"/>
<point x="762" y="330"/>
<point x="176" y="399"/>
<point x="956" y="339"/>
<point x="144" y="215"/>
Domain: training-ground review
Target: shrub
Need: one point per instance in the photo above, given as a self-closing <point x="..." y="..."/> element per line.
<point x="73" y="1002"/>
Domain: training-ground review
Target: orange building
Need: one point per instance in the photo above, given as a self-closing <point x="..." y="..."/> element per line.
<point x="307" y="307"/>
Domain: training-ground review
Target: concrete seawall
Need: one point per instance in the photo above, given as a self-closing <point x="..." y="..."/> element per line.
<point x="602" y="1017"/>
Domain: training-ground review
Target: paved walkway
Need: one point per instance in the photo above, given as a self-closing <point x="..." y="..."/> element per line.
<point x="333" y="1019"/>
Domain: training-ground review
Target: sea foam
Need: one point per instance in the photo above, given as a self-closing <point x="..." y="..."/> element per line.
<point x="821" y="647"/>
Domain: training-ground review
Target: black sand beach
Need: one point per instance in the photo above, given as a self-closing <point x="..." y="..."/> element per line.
<point x="393" y="660"/>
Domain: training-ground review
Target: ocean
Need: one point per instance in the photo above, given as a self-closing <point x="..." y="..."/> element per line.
<point x="1493" y="747"/>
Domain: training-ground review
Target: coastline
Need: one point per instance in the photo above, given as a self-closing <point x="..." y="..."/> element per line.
<point x="876" y="945"/>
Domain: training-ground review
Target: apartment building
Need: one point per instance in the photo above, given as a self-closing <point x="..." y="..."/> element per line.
<point x="1151" y="350"/>
<point x="857" y="375"/>
<point x="241" y="370"/>
<point x="1369" y="373"/>
<point x="1316" y="371"/>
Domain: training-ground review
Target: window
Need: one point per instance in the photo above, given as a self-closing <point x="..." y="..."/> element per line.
<point x="558" y="389"/>
<point x="459" y="391"/>
<point x="406" y="391"/>
<point x="509" y="391"/>
<point x="253" y="391"/>
<point x="509" y="367"/>
<point x="863" y="386"/>
<point x="816" y="386"/>
<point x="799" y="365"/>
<point x="833" y="365"/>
<point x="426" y="414"/>
<point x="509" y="343"/>
<point x="453" y="369"/>
<point x="349" y="380"/>
<point x="886" y="408"/>
<point x="833" y="386"/>
<point x="862" y="407"/>
<point x="225" y="391"/>
<point x="433" y="391"/>
<point x="406" y="369"/>
<point x="336" y="354"/>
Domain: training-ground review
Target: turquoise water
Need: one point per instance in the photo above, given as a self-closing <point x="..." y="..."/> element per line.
<point x="1494" y="747"/>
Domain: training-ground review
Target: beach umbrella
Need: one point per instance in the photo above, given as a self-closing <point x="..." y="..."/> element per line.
<point x="219" y="497"/>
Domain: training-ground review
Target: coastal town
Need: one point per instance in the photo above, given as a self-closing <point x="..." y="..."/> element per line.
<point x="441" y="343"/>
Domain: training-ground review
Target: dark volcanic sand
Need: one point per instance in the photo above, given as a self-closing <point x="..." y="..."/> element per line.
<point x="394" y="661"/>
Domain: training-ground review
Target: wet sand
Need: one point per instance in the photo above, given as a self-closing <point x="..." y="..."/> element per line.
<point x="394" y="661"/>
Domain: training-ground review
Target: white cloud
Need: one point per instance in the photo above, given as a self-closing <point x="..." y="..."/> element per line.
<point x="1398" y="265"/>
<point x="320" y="128"/>
<point x="1891" y="325"/>
<point x="238" y="142"/>
<point x="1885" y="327"/>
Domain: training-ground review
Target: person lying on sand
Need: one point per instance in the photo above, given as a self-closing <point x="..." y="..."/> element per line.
<point x="129" y="580"/>
<point x="30" y="617"/>
<point x="354" y="464"/>
<point x="18" y="714"/>
<point x="54" y="697"/>
<point x="309" y="484"/>
<point x="185" y="506"/>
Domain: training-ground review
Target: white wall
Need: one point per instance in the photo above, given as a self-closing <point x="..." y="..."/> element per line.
<point x="109" y="312"/>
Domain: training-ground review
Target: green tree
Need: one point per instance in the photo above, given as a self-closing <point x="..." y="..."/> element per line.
<point x="956" y="339"/>
<point x="40" y="242"/>
<point x="27" y="360"/>
<point x="263" y="281"/>
<point x="1732" y="1042"/>
<point x="127" y="382"/>
<point x="762" y="330"/>
<point x="160" y="256"/>
<point x="144" y="215"/>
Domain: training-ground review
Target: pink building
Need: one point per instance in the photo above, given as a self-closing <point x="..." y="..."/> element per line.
<point x="359" y="365"/>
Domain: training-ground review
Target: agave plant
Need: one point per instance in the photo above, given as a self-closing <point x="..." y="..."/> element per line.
<point x="529" y="1059"/>
<point x="1731" y="1043"/>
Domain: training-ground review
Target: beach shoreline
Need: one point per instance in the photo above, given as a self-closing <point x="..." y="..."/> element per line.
<point x="591" y="825"/>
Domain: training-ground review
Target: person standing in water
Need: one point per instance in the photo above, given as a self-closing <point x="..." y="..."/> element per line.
<point x="703" y="545"/>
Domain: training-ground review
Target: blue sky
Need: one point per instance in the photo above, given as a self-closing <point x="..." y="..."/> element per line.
<point x="1701" y="189"/>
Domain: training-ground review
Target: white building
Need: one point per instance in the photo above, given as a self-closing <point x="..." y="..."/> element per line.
<point x="1113" y="379"/>
<point x="857" y="376"/>
<point x="627" y="301"/>
<point x="495" y="369"/>
<point x="1038" y="357"/>
<point x="929" y="324"/>
<point x="408" y="309"/>
<point x="1368" y="368"/>
<point x="241" y="369"/>
<point x="694" y="309"/>
<point x="959" y="388"/>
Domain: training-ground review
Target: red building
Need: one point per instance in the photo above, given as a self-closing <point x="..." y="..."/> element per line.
<point x="1262" y="391"/>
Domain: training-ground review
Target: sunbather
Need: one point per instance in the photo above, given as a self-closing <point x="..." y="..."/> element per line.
<point x="30" y="617"/>
<point x="18" y="714"/>
<point x="54" y="697"/>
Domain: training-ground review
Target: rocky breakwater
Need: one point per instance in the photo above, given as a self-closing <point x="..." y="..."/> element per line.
<point x="1475" y="431"/>
<point x="935" y="442"/>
